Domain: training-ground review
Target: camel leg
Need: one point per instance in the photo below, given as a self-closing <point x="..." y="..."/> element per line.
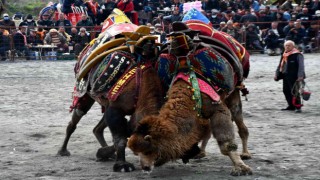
<point x="203" y="146"/>
<point x="105" y="152"/>
<point x="222" y="129"/>
<point x="118" y="126"/>
<point x="85" y="103"/>
<point x="98" y="131"/>
<point x="234" y="104"/>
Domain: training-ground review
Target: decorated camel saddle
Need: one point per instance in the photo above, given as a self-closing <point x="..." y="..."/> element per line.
<point x="105" y="68"/>
<point x="213" y="57"/>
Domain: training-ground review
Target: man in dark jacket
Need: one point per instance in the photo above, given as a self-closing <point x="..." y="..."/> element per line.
<point x="7" y="24"/>
<point x="64" y="23"/>
<point x="20" y="41"/>
<point x="291" y="70"/>
<point x="45" y="22"/>
<point x="82" y="40"/>
<point x="29" y="22"/>
<point x="4" y="45"/>
<point x="85" y="22"/>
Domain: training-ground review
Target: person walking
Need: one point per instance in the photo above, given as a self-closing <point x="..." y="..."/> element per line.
<point x="291" y="70"/>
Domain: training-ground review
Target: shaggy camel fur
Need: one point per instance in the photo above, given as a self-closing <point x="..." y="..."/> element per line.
<point x="177" y="128"/>
<point x="234" y="104"/>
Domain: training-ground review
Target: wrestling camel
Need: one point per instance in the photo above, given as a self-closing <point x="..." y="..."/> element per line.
<point x="136" y="91"/>
<point x="177" y="129"/>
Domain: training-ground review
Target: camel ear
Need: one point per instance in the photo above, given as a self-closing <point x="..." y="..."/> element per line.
<point x="148" y="138"/>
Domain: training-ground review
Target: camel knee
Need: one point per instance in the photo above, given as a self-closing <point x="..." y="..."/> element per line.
<point x="79" y="112"/>
<point x="227" y="147"/>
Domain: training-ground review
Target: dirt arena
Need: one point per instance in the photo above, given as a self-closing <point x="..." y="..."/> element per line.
<point x="34" y="111"/>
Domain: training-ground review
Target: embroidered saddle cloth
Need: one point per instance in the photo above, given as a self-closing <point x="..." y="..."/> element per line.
<point x="205" y="61"/>
<point x="104" y="75"/>
<point x="204" y="86"/>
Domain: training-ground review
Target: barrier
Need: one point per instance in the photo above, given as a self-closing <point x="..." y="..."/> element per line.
<point x="51" y="55"/>
<point x="34" y="55"/>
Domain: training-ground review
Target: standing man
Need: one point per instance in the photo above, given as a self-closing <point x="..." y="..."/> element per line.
<point x="291" y="70"/>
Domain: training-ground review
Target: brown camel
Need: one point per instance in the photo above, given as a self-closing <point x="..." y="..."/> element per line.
<point x="139" y="96"/>
<point x="168" y="136"/>
<point x="177" y="129"/>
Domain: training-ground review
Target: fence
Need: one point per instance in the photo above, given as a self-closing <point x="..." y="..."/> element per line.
<point x="13" y="52"/>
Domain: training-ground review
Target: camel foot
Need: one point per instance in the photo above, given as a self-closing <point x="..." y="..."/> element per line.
<point x="63" y="152"/>
<point x="121" y="166"/>
<point x="202" y="154"/>
<point x="245" y="156"/>
<point x="106" y="153"/>
<point x="241" y="170"/>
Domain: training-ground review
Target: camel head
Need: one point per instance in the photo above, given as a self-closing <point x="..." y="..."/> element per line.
<point x="147" y="142"/>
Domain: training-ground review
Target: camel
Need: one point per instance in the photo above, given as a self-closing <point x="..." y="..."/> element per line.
<point x="137" y="92"/>
<point x="174" y="133"/>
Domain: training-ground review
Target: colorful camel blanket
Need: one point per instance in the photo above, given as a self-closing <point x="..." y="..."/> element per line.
<point x="229" y="41"/>
<point x="114" y="92"/>
<point x="204" y="86"/>
<point x="205" y="61"/>
<point x="103" y="76"/>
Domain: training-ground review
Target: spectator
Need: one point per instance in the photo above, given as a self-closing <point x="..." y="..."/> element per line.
<point x="29" y="22"/>
<point x="82" y="40"/>
<point x="253" y="39"/>
<point x="55" y="38"/>
<point x="277" y="30"/>
<point x="126" y="6"/>
<point x="33" y="39"/>
<point x="20" y="41"/>
<point x="287" y="5"/>
<point x="63" y="32"/>
<point x="305" y="17"/>
<point x="232" y="31"/>
<point x="288" y="27"/>
<point x="7" y="24"/>
<point x="62" y="21"/>
<point x="291" y="70"/>
<point x="105" y="10"/>
<point x="272" y="43"/>
<point x="222" y="25"/>
<point x="311" y="39"/>
<point x="296" y="34"/>
<point x="4" y="45"/>
<point x="45" y="22"/>
<point x="92" y="8"/>
<point x="73" y="39"/>
<point x="177" y="5"/>
<point x="85" y="22"/>
<point x="248" y="17"/>
<point x="215" y="18"/>
<point x="41" y="33"/>
<point x="264" y="20"/>
<point x="208" y="5"/>
<point x="159" y="31"/>
<point x="314" y="6"/>
<point x="175" y="16"/>
<point x="286" y="14"/>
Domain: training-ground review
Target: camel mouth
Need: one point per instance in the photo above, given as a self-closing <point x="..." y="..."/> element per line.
<point x="147" y="169"/>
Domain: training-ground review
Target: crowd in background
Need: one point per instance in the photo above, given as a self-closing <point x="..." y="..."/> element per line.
<point x="258" y="26"/>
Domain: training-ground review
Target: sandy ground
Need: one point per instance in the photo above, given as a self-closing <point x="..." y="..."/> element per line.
<point x="35" y="98"/>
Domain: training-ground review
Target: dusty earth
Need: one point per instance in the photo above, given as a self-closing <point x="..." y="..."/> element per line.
<point x="34" y="102"/>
